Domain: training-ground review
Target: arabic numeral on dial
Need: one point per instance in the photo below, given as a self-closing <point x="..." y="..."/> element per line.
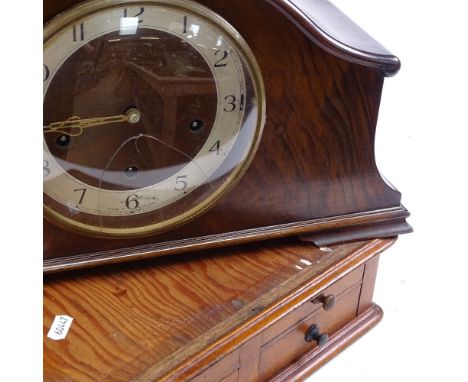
<point x="231" y="103"/>
<point x="181" y="183"/>
<point x="45" y="168"/>
<point x="78" y="32"/>
<point x="223" y="54"/>
<point x="132" y="202"/>
<point x="216" y="147"/>
<point x="142" y="9"/>
<point x="83" y="192"/>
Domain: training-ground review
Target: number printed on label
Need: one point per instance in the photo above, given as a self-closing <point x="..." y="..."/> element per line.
<point x="60" y="326"/>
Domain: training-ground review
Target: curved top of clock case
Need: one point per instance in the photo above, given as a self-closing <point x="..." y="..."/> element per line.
<point x="334" y="32"/>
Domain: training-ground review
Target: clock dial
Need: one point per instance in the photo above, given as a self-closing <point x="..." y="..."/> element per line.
<point x="152" y="112"/>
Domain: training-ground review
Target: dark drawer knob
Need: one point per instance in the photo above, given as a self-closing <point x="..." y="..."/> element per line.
<point x="328" y="302"/>
<point x="313" y="334"/>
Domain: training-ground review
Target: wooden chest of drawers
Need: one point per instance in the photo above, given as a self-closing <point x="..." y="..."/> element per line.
<point x="251" y="313"/>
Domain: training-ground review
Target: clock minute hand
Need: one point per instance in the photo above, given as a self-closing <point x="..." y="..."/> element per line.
<point x="74" y="126"/>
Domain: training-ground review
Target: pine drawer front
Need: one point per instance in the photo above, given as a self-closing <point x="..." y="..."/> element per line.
<point x="224" y="370"/>
<point x="272" y="331"/>
<point x="233" y="377"/>
<point x="290" y="343"/>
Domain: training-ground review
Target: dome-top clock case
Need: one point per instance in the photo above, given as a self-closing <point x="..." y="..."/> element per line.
<point x="174" y="126"/>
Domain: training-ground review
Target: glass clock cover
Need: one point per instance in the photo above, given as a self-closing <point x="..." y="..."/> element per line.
<point x="152" y="112"/>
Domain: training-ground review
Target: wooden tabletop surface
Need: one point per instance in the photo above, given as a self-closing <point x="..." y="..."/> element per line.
<point x="157" y="313"/>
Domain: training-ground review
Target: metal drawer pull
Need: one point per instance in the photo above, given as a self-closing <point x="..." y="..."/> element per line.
<point x="328" y="302"/>
<point x="313" y="334"/>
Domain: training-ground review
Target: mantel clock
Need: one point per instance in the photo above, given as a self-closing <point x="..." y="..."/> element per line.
<point x="172" y="126"/>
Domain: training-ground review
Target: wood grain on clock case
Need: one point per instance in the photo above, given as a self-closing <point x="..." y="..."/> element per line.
<point x="315" y="167"/>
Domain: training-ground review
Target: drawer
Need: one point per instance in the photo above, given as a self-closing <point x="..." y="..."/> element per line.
<point x="233" y="377"/>
<point x="338" y="287"/>
<point x="283" y="341"/>
<point x="224" y="370"/>
<point x="291" y="344"/>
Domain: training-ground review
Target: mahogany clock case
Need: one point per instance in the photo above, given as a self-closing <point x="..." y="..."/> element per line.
<point x="314" y="173"/>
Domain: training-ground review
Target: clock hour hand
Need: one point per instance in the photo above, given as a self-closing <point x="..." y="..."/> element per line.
<point x="74" y="126"/>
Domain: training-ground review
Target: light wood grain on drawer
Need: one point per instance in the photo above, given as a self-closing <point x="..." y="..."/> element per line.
<point x="348" y="281"/>
<point x="220" y="370"/>
<point x="233" y="377"/>
<point x="291" y="344"/>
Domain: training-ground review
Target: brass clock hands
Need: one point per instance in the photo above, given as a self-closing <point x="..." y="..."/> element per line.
<point x="74" y="126"/>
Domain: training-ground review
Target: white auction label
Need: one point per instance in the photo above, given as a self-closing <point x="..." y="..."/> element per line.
<point x="60" y="327"/>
